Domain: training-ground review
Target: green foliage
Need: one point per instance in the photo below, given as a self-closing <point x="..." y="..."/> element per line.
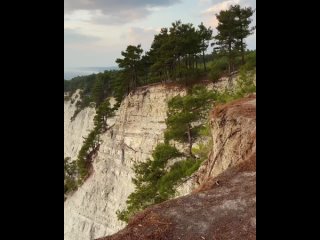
<point x="205" y="35"/>
<point x="202" y="150"/>
<point x="250" y="61"/>
<point x="184" y="113"/>
<point x="233" y="28"/>
<point x="177" y="53"/>
<point x="92" y="141"/>
<point x="84" y="83"/>
<point x="70" y="172"/>
<point x="218" y="68"/>
<point x="82" y="103"/>
<point x="98" y="94"/>
<point x="148" y="175"/>
<point x="244" y="86"/>
<point x="177" y="173"/>
<point x="104" y="111"/>
<point x="154" y="182"/>
<point x="131" y="65"/>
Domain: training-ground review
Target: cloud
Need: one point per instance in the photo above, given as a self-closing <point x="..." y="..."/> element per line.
<point x="220" y="6"/>
<point x="137" y="35"/>
<point x="74" y="37"/>
<point x="116" y="12"/>
<point x="209" y="13"/>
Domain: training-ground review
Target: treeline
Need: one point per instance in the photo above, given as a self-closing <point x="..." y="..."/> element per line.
<point x="177" y="54"/>
<point x="94" y="88"/>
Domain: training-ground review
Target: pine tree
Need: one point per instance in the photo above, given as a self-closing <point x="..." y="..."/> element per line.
<point x="104" y="111"/>
<point x="184" y="113"/>
<point x="227" y="36"/>
<point x="130" y="63"/>
<point x="243" y="21"/>
<point x="98" y="92"/>
<point x="205" y="35"/>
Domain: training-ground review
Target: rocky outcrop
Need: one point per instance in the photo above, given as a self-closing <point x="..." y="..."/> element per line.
<point x="233" y="136"/>
<point x="233" y="131"/>
<point x="75" y="130"/>
<point x="224" y="206"/>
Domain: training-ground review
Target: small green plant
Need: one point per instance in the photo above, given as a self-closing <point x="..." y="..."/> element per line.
<point x="70" y="175"/>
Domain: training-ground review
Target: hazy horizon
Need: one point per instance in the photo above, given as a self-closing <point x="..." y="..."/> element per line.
<point x="72" y="72"/>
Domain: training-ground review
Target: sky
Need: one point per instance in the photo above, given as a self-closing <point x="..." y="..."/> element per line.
<point x="96" y="31"/>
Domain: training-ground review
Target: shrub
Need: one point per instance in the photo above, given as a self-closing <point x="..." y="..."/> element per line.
<point x="155" y="184"/>
<point x="70" y="175"/>
<point x="218" y="68"/>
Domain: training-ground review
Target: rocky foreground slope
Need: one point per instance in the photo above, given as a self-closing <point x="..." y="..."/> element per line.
<point x="224" y="205"/>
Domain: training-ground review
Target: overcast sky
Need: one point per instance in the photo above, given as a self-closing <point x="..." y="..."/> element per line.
<point x="96" y="31"/>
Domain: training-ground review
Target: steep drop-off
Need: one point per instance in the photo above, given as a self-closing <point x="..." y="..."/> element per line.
<point x="136" y="129"/>
<point x="74" y="131"/>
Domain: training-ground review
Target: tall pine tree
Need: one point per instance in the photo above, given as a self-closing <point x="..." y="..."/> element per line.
<point x="205" y="35"/>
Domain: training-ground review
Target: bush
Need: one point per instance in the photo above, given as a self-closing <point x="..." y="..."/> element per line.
<point x="250" y="61"/>
<point x="245" y="84"/>
<point x="70" y="175"/>
<point x="218" y="68"/>
<point x="215" y="75"/>
<point x="177" y="173"/>
<point x="155" y="184"/>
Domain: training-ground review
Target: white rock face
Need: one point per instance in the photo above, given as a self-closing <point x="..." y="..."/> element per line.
<point x="75" y="131"/>
<point x="138" y="127"/>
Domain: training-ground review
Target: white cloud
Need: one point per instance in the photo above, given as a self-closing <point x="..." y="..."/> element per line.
<point x="117" y="12"/>
<point x="137" y="35"/>
<point x="220" y="6"/>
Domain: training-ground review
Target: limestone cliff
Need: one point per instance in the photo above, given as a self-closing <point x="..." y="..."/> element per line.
<point x="137" y="128"/>
<point x="75" y="130"/>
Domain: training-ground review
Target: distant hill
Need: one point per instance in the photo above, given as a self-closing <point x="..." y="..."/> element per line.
<point x="70" y="73"/>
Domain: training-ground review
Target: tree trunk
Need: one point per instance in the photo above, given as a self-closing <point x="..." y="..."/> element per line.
<point x="242" y="52"/>
<point x="196" y="63"/>
<point x="179" y="68"/>
<point x="230" y="58"/>
<point x="190" y="140"/>
<point x="204" y="60"/>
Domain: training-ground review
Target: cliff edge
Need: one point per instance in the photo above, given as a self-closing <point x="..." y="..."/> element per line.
<point x="224" y="205"/>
